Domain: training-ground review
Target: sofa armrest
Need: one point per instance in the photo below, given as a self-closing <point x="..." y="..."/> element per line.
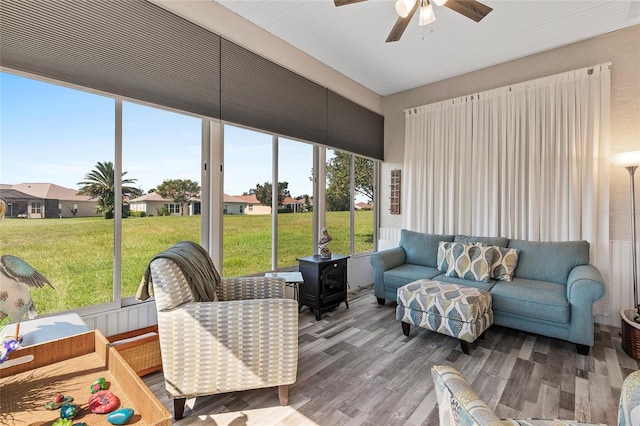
<point x="585" y="285"/>
<point x="458" y="404"/>
<point x="383" y="261"/>
<point x="243" y="288"/>
<point x="387" y="259"/>
<point x="214" y="347"/>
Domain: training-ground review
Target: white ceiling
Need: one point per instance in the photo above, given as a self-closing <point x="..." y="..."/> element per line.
<point x="351" y="39"/>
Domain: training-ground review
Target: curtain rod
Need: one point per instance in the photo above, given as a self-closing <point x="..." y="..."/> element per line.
<point x="470" y="96"/>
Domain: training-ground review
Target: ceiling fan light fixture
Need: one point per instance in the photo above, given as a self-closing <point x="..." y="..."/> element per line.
<point x="403" y="7"/>
<point x="440" y="2"/>
<point x="426" y="14"/>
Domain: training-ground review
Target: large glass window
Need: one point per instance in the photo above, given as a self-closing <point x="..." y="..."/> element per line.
<point x="52" y="138"/>
<point x="295" y="216"/>
<point x="161" y="152"/>
<point x="58" y="174"/>
<point x="349" y="177"/>
<point x="247" y="181"/>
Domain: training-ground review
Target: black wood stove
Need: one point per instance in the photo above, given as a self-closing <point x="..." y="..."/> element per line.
<point x="325" y="282"/>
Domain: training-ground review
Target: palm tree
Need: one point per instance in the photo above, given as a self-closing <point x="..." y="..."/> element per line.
<point x="100" y="184"/>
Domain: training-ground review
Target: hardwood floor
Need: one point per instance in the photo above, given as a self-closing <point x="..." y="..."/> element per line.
<point x="356" y="368"/>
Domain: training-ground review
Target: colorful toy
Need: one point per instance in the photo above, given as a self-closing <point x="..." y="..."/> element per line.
<point x="69" y="411"/>
<point x="58" y="401"/>
<point x="103" y="402"/>
<point x="63" y="422"/>
<point x="99" y="384"/>
<point x="120" y="417"/>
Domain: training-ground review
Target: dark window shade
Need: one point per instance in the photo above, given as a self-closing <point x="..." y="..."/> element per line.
<point x="131" y="48"/>
<point x="353" y="128"/>
<point x="138" y="50"/>
<point x="258" y="93"/>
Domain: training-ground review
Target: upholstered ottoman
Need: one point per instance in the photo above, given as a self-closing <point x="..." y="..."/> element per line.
<point x="454" y="310"/>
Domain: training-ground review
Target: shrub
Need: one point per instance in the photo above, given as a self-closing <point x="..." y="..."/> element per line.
<point x="163" y="211"/>
<point x="134" y="213"/>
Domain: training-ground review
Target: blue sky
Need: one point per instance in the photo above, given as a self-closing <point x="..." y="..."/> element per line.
<point x="50" y="133"/>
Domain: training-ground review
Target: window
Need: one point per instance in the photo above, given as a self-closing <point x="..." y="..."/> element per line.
<point x="295" y="217"/>
<point x="349" y="199"/>
<point x="150" y="155"/>
<point x="247" y="174"/>
<point x="173" y="208"/>
<point x="35" y="208"/>
<point x="159" y="151"/>
<point x="56" y="136"/>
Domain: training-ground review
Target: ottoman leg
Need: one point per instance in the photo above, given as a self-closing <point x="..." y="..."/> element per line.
<point x="405" y="328"/>
<point x="465" y="346"/>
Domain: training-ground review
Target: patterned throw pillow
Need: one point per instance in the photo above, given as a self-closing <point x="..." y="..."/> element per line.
<point x="442" y="264"/>
<point x="504" y="263"/>
<point x="470" y="261"/>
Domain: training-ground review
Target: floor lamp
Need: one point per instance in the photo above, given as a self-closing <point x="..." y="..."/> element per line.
<point x="631" y="161"/>
<point x="630" y="318"/>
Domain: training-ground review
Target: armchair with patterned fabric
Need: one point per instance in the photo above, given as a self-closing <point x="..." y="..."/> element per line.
<point x="246" y="339"/>
<point x="458" y="404"/>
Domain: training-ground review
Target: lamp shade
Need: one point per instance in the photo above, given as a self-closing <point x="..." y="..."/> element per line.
<point x="426" y="15"/>
<point x="403" y="7"/>
<point x="626" y="159"/>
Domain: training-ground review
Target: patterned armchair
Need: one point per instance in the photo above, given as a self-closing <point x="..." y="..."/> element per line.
<point x="246" y="339"/>
<point x="458" y="404"/>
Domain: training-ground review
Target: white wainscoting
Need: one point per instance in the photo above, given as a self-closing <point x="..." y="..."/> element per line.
<point x="359" y="271"/>
<point x="123" y="319"/>
<point x="389" y="238"/>
<point x="620" y="286"/>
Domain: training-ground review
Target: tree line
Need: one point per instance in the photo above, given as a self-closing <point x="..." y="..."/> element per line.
<point x="99" y="184"/>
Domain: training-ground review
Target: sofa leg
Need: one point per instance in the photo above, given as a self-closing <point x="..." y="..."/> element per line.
<point x="405" y="328"/>
<point x="465" y="346"/>
<point x="381" y="301"/>
<point x="178" y="407"/>
<point x="583" y="349"/>
<point x="283" y="394"/>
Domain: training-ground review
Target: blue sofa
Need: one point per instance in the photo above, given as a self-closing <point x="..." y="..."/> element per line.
<point x="551" y="293"/>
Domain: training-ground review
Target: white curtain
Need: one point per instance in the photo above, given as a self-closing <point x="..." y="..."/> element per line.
<point x="527" y="161"/>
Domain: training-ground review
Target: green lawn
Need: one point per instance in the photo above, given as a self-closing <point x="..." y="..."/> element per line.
<point x="76" y="254"/>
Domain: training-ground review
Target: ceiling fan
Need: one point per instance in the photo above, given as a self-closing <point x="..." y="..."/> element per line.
<point x="472" y="9"/>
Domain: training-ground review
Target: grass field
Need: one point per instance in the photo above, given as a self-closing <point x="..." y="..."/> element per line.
<point x="76" y="254"/>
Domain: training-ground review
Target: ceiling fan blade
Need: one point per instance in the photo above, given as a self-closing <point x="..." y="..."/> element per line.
<point x="346" y="2"/>
<point x="401" y="25"/>
<point x="472" y="9"/>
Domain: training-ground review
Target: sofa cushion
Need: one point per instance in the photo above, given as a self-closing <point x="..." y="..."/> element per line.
<point x="420" y="248"/>
<point x="470" y="261"/>
<point x="404" y="274"/>
<point x="534" y="299"/>
<point x="487" y="241"/>
<point x="549" y="261"/>
<point x="504" y="263"/>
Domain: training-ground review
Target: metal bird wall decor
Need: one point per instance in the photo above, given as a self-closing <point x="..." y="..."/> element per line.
<point x="17" y="277"/>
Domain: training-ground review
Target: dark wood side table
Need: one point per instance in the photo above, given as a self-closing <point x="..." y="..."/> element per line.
<point x="325" y="282"/>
